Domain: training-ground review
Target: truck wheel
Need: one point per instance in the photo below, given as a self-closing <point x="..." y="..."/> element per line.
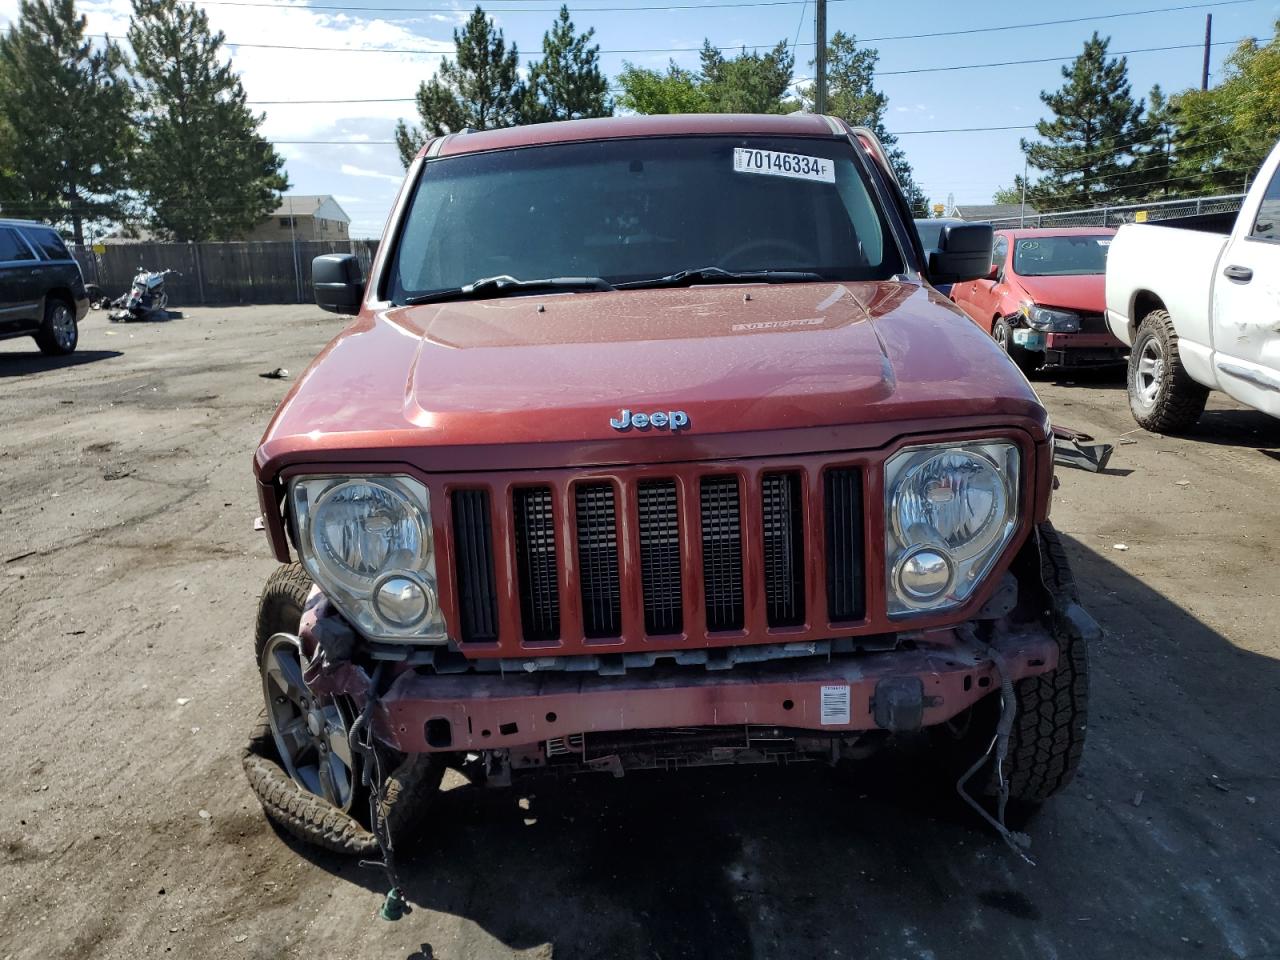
<point x="1162" y="395"/>
<point x="1028" y="361"/>
<point x="1047" y="739"/>
<point x="299" y="762"/>
<point x="59" y="333"/>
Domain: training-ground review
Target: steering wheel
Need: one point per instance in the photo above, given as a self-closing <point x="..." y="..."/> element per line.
<point x="775" y="244"/>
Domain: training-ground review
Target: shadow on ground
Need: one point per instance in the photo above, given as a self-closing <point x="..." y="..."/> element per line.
<point x="1166" y="844"/>
<point x="21" y="364"/>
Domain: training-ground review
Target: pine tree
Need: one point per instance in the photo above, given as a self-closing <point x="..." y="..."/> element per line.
<point x="748" y="83"/>
<point x="66" y="101"/>
<point x="202" y="169"/>
<point x="852" y="96"/>
<point x="1150" y="176"/>
<point x="1089" y="141"/>
<point x="481" y="90"/>
<point x="566" y="83"/>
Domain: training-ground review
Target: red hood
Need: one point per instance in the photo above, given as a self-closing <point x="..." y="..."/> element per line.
<point x="1087" y="294"/>
<point x="436" y="383"/>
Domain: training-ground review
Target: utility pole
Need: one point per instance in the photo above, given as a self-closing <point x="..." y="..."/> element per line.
<point x="820" y="59"/>
<point x="1208" y="40"/>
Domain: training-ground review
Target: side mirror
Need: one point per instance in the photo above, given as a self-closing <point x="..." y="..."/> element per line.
<point x="339" y="287"/>
<point x="995" y="272"/>
<point x="964" y="253"/>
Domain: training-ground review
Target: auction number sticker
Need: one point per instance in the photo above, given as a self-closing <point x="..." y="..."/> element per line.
<point x="835" y="704"/>
<point x="773" y="164"/>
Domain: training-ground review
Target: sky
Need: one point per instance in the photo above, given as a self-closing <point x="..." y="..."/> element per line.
<point x="363" y="170"/>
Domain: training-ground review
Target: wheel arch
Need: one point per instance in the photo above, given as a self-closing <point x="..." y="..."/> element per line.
<point x="1143" y="302"/>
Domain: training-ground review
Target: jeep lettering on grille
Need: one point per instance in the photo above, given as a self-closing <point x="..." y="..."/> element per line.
<point x="673" y="420"/>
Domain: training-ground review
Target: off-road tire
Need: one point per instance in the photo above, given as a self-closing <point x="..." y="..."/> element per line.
<point x="407" y="796"/>
<point x="1048" y="734"/>
<point x="1047" y="738"/>
<point x="1180" y="400"/>
<point x="280" y="605"/>
<point x="408" y="792"/>
<point x="1028" y="361"/>
<point x="46" y="339"/>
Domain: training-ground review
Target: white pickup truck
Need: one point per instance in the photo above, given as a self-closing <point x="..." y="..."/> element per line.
<point x="1200" y="308"/>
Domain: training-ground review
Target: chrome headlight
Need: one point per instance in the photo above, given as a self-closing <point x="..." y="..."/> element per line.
<point x="949" y="511"/>
<point x="366" y="541"/>
<point x="1053" y="321"/>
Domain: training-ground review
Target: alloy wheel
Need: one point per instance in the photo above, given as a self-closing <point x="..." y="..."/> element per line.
<point x="311" y="732"/>
<point x="64" y="326"/>
<point x="1150" y="372"/>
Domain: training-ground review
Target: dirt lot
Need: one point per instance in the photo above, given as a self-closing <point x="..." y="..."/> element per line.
<point x="129" y="572"/>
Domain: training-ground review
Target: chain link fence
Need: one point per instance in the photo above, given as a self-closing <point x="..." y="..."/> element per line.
<point x="1130" y="213"/>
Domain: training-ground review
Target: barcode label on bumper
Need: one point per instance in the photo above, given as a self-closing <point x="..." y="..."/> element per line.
<point x="835" y="704"/>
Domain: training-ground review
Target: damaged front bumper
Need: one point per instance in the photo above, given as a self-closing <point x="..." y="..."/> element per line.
<point x="921" y="682"/>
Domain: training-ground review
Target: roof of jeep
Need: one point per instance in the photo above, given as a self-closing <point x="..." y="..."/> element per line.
<point x="610" y="128"/>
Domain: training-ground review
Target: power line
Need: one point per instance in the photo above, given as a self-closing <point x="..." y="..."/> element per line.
<point x="1016" y="63"/>
<point x="576" y="9"/>
<point x="1054" y="23"/>
<point x="800" y="23"/>
<point x="880" y="73"/>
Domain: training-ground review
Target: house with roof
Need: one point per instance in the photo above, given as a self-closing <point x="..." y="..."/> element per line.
<point x="304" y="217"/>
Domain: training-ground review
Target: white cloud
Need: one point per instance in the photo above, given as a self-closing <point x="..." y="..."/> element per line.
<point x="351" y="170"/>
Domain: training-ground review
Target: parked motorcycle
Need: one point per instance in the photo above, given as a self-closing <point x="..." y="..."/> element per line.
<point x="147" y="298"/>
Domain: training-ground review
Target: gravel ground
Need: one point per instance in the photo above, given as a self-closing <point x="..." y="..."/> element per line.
<point x="129" y="572"/>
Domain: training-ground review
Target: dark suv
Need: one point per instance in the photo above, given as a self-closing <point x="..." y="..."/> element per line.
<point x="42" y="293"/>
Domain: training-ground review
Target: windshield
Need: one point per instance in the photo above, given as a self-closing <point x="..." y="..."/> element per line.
<point x="1072" y="256"/>
<point x="639" y="209"/>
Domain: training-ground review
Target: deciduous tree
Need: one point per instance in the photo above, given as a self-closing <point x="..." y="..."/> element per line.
<point x="480" y="89"/>
<point x="747" y="83"/>
<point x="675" y="90"/>
<point x="1224" y="133"/>
<point x="202" y="170"/>
<point x="66" y="100"/>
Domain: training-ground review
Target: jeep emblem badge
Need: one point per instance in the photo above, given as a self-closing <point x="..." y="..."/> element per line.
<point x="673" y="420"/>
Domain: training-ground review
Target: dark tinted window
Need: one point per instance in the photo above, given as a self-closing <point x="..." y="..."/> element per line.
<point x="1267" y="226"/>
<point x="637" y="209"/>
<point x="12" y="247"/>
<point x="47" y="242"/>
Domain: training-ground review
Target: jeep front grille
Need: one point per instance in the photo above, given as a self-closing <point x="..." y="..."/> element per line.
<point x="722" y="553"/>
<point x="477" y="589"/>
<point x="536" y="559"/>
<point x="598" y="560"/>
<point x="660" y="578"/>
<point x="690" y="555"/>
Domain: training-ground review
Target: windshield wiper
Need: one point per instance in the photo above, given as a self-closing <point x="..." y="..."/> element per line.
<point x="687" y="278"/>
<point x="503" y="285"/>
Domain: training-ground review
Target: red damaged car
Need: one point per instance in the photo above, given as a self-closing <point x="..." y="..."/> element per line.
<point x="651" y="446"/>
<point x="1044" y="299"/>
